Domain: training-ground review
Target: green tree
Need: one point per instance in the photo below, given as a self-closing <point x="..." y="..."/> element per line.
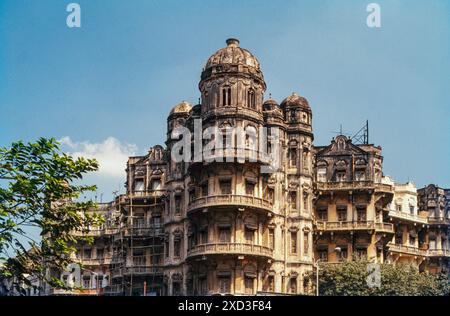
<point x="39" y="190"/>
<point x="351" y="279"/>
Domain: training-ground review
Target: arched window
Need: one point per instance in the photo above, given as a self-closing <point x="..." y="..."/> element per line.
<point x="251" y="99"/>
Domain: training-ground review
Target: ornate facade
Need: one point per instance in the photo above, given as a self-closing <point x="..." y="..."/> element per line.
<point x="225" y="227"/>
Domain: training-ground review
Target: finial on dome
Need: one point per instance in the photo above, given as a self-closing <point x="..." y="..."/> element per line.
<point x="270" y="95"/>
<point x="232" y="42"/>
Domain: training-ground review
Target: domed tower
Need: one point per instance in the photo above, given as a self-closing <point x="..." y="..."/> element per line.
<point x="229" y="203"/>
<point x="232" y="82"/>
<point x="298" y="118"/>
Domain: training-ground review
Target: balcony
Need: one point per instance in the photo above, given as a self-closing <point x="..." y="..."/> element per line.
<point x="409" y="250"/>
<point x="116" y="289"/>
<point x="408" y="217"/>
<point x="384" y="228"/>
<point x="147" y="194"/>
<point x="356" y="225"/>
<point x="74" y="292"/>
<point x="137" y="270"/>
<point x="144" y="231"/>
<point x="230" y="200"/>
<point x="233" y="154"/>
<point x="439" y="220"/>
<point x="354" y="185"/>
<point x="93" y="262"/>
<point x="439" y="253"/>
<point x="88" y="233"/>
<point x="230" y="249"/>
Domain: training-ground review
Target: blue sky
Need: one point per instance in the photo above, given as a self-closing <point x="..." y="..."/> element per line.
<point x="109" y="85"/>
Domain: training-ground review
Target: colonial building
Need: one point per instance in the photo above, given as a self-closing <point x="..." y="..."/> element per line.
<point x="244" y="225"/>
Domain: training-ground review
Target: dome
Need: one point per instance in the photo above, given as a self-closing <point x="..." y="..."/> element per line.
<point x="295" y="100"/>
<point x="270" y="105"/>
<point x="232" y="54"/>
<point x="182" y="107"/>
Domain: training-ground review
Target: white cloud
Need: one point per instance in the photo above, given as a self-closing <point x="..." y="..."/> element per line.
<point x="111" y="154"/>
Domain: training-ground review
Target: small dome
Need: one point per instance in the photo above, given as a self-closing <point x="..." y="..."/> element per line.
<point x="270" y="105"/>
<point x="182" y="107"/>
<point x="295" y="100"/>
<point x="232" y="54"/>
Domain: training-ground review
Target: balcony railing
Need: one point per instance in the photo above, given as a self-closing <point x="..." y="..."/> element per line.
<point x="439" y="253"/>
<point x="230" y="248"/>
<point x="236" y="154"/>
<point x="148" y="230"/>
<point x="384" y="227"/>
<point x="355" y="225"/>
<point x="230" y="199"/>
<point x="411" y="250"/>
<point x="408" y="217"/>
<point x="354" y="185"/>
<point x="90" y="232"/>
<point x="93" y="261"/>
<point x="439" y="220"/>
<point x="137" y="270"/>
<point x="141" y="194"/>
<point x="116" y="289"/>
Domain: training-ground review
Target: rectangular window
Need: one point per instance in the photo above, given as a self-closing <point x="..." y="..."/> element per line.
<point x="293" y="157"/>
<point x="293" y="200"/>
<point x="305" y="201"/>
<point x="270" y="195"/>
<point x="343" y="254"/>
<point x="224" y="235"/>
<point x="224" y="285"/>
<point x="192" y="196"/>
<point x="203" y="286"/>
<point x="361" y="214"/>
<point x="249" y="235"/>
<point x="249" y="187"/>
<point x="270" y="283"/>
<point x="305" y="244"/>
<point x="177" y="204"/>
<point x="87" y="253"/>
<point x="322" y="174"/>
<point x="293" y="285"/>
<point x="271" y="238"/>
<point x="323" y="215"/>
<point x="341" y="176"/>
<point x="205" y="189"/>
<point x="411" y="209"/>
<point x="360" y="176"/>
<point x="156" y="221"/>
<point x="248" y="285"/>
<point x="361" y="253"/>
<point x="156" y="184"/>
<point x="433" y="245"/>
<point x="342" y="214"/>
<point x="176" y="248"/>
<point x="100" y="253"/>
<point x="225" y="186"/>
<point x="398" y="207"/>
<point x="204" y="236"/>
<point x="323" y="255"/>
<point x="293" y="242"/>
<point x="139" y="185"/>
<point x="87" y="282"/>
<point x="399" y="239"/>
